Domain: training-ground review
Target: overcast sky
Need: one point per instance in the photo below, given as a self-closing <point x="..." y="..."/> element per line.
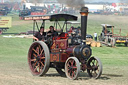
<point x="102" y="0"/>
<point x="85" y="0"/>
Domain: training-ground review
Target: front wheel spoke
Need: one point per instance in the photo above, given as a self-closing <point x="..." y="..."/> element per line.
<point x="96" y="63"/>
<point x="73" y="74"/>
<point x="89" y="68"/>
<point x="91" y="71"/>
<point x="72" y="63"/>
<point x="92" y="62"/>
<point x="68" y="65"/>
<point x="95" y="72"/>
<point x="69" y="62"/>
<point x="69" y="71"/>
<point x="74" y="67"/>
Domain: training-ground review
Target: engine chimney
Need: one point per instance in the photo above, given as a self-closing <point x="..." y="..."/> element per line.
<point x="84" y="14"/>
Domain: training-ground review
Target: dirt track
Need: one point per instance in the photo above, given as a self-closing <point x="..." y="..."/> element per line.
<point x="22" y="76"/>
<point x="46" y="80"/>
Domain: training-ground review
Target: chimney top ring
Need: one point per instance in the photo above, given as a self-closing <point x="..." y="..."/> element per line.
<point x="84" y="9"/>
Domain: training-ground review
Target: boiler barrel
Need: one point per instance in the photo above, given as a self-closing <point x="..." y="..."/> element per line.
<point x="82" y="51"/>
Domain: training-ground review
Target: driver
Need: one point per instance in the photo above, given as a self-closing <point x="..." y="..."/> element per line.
<point x="52" y="32"/>
<point x="40" y="35"/>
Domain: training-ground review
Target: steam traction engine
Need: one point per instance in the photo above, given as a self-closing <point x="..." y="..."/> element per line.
<point x="68" y="55"/>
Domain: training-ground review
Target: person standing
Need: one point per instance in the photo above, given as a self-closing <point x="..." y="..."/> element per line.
<point x="95" y="36"/>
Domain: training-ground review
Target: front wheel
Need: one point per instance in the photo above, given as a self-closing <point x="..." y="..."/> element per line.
<point x="72" y="68"/>
<point x="94" y="67"/>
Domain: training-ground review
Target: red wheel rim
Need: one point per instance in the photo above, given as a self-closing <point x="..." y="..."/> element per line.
<point x="72" y="68"/>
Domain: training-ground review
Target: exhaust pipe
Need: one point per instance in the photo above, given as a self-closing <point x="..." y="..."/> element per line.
<point x="84" y="14"/>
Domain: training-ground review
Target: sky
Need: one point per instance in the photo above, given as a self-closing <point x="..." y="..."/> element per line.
<point x="85" y="0"/>
<point x="102" y="0"/>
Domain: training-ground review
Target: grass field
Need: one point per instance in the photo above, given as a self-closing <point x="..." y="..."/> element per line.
<point x="14" y="68"/>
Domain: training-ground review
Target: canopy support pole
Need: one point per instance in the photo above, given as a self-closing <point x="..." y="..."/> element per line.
<point x="34" y="28"/>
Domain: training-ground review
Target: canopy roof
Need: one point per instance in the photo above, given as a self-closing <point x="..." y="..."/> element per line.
<point x="54" y="17"/>
<point x="73" y="22"/>
<point x="107" y="25"/>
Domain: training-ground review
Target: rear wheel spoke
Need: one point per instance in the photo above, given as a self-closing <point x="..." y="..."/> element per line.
<point x="33" y="60"/>
<point x="35" y="55"/>
<point x="35" y="51"/>
<point x="39" y="67"/>
<point x="35" y="64"/>
<point x="36" y="68"/>
<point x="42" y="58"/>
<point x="42" y="51"/>
<point x="42" y="64"/>
<point x="39" y="47"/>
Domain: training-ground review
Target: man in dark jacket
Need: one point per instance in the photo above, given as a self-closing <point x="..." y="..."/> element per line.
<point x="40" y="35"/>
<point x="52" y="32"/>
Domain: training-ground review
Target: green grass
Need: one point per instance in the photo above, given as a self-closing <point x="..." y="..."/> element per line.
<point x="13" y="51"/>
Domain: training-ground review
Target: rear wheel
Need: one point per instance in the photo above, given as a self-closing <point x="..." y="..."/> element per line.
<point x="94" y="67"/>
<point x="72" y="68"/>
<point x="38" y="58"/>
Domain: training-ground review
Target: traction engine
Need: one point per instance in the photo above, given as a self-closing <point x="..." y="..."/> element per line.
<point x="69" y="55"/>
